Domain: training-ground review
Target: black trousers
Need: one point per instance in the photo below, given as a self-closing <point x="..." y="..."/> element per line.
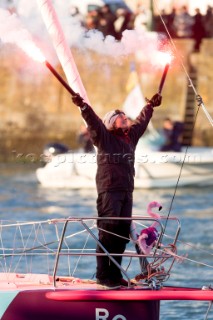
<point x="113" y="204"/>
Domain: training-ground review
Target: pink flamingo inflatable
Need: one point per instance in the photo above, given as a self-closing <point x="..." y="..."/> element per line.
<point x="148" y="236"/>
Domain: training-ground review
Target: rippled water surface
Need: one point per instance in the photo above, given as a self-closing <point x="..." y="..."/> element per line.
<point x="22" y="198"/>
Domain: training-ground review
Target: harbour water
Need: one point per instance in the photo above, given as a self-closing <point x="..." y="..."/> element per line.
<point x="23" y="199"/>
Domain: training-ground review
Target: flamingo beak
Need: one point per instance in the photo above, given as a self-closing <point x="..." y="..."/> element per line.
<point x="160" y="208"/>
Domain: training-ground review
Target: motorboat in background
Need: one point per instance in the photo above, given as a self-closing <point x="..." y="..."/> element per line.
<point x="153" y="169"/>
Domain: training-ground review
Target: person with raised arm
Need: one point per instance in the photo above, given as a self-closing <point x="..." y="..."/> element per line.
<point x="115" y="139"/>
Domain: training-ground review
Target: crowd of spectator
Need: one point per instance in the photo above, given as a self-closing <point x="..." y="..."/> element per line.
<point x="183" y="25"/>
<point x="179" y="22"/>
<point x="106" y="21"/>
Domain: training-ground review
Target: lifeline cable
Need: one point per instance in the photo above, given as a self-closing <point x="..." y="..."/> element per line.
<point x="191" y="246"/>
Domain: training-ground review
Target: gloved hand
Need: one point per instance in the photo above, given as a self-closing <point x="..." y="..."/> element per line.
<point x="199" y="100"/>
<point x="78" y="100"/>
<point x="155" y="101"/>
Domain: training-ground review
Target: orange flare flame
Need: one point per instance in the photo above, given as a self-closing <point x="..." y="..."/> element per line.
<point x="162" y="58"/>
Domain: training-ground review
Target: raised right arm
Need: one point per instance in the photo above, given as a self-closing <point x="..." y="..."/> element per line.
<point x="94" y="123"/>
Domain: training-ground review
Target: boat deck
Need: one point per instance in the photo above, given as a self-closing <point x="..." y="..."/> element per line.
<point x="70" y="288"/>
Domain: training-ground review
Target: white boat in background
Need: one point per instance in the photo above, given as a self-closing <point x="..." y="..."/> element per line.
<point x="153" y="169"/>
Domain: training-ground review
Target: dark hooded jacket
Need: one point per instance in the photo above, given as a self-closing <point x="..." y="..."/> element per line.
<point x="115" y="151"/>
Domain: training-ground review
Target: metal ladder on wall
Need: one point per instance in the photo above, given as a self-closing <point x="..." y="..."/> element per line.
<point x="189" y="115"/>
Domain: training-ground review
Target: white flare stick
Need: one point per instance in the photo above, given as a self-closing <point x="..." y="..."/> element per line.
<point x="62" y="49"/>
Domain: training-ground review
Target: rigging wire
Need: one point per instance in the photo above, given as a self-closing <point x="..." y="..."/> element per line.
<point x="180" y="173"/>
<point x="199" y="104"/>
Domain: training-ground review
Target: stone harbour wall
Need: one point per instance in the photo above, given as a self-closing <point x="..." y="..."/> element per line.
<point x="36" y="109"/>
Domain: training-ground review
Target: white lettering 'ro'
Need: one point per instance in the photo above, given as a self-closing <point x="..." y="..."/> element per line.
<point x="103" y="314"/>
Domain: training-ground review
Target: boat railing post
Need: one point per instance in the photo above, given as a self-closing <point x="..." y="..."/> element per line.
<point x="177" y="232"/>
<point x="58" y="252"/>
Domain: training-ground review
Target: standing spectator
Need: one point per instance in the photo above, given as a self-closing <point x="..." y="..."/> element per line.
<point x="84" y="140"/>
<point x="122" y="22"/>
<point x="208" y="22"/>
<point x="159" y="26"/>
<point x="183" y="23"/>
<point x="106" y="21"/>
<point x="92" y="20"/>
<point x="170" y="20"/>
<point x="142" y="19"/>
<point x="198" y="30"/>
<point x="172" y="135"/>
